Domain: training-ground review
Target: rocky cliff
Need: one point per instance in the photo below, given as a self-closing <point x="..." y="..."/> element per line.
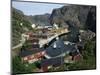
<point x="75" y="16"/>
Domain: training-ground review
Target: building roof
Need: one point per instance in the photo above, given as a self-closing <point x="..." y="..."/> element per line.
<point x="54" y="62"/>
<point x="33" y="40"/>
<point x="24" y="53"/>
<point x="30" y="46"/>
<point x="60" y="48"/>
<point x="35" y="46"/>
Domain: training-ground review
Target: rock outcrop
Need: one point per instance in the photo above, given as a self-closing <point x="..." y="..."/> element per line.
<point x="75" y="16"/>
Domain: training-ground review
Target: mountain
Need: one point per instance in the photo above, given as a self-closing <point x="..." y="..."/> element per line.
<point x="75" y="16"/>
<point x="40" y="19"/>
<point x="17" y="29"/>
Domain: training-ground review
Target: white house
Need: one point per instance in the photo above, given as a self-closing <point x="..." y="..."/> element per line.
<point x="33" y="25"/>
<point x="56" y="26"/>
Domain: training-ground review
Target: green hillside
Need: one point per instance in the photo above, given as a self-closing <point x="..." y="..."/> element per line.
<point x="18" y="18"/>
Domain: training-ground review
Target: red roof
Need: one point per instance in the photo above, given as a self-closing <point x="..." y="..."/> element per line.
<point x="36" y="56"/>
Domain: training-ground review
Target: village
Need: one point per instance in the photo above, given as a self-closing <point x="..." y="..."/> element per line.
<point x="61" y="38"/>
<point x="46" y="47"/>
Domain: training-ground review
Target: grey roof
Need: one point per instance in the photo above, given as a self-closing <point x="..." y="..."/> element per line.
<point x="24" y="53"/>
<point x="61" y="48"/>
<point x="54" y="62"/>
<point x="35" y="45"/>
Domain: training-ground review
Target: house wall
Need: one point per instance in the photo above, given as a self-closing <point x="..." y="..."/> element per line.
<point x="77" y="57"/>
<point x="68" y="59"/>
<point x="35" y="57"/>
<point x="44" y="68"/>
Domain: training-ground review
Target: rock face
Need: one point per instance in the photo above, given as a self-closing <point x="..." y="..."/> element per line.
<point x="75" y="16"/>
<point x="91" y="19"/>
<point x="87" y="35"/>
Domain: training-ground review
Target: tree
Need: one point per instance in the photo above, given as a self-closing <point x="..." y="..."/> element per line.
<point x="89" y="58"/>
<point x="19" y="67"/>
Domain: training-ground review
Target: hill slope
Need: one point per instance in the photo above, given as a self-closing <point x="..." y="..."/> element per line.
<point x="40" y="19"/>
<point x="17" y="29"/>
